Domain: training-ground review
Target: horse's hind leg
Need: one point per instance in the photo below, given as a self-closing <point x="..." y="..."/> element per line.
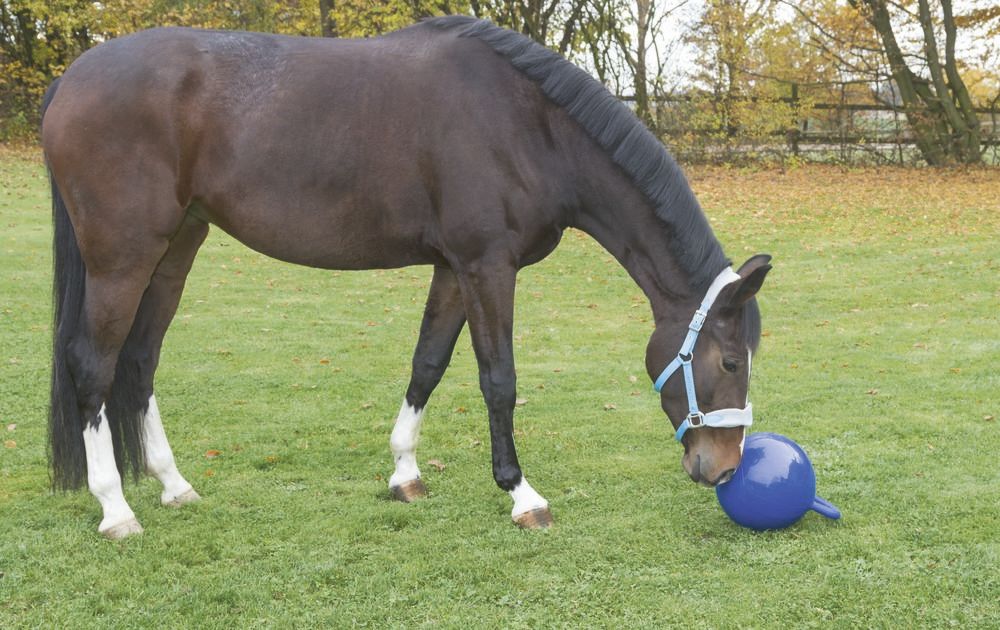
<point x="141" y="355"/>
<point x="111" y="300"/>
<point x="444" y="317"/>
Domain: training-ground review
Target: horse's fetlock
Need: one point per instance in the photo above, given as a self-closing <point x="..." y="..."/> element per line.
<point x="507" y="477"/>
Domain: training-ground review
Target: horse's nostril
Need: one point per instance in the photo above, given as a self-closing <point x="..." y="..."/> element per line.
<point x="695" y="471"/>
<point x="726" y="476"/>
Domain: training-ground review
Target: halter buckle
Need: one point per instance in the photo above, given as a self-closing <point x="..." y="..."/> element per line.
<point x="695" y="419"/>
<point x="698" y="320"/>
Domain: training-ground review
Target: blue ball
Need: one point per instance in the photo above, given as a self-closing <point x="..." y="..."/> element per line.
<point x="774" y="485"/>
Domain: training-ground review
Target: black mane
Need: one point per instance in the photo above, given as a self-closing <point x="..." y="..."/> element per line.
<point x="617" y="130"/>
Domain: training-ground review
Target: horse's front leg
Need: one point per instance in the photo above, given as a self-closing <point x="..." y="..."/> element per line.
<point x="489" y="306"/>
<point x="444" y="317"/>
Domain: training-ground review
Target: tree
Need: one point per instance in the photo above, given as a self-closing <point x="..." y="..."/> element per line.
<point x="737" y="100"/>
<point x="327" y="19"/>
<point x="549" y="22"/>
<point x="906" y="54"/>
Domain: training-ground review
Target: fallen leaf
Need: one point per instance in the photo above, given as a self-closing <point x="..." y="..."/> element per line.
<point x="270" y="459"/>
<point x="520" y="402"/>
<point x="11" y="426"/>
<point x="460" y="409"/>
<point x="212" y="453"/>
<point x="324" y="361"/>
<point x="632" y="378"/>
<point x="10" y="444"/>
<point x="610" y="407"/>
<point x="209" y="473"/>
<point x="988" y="417"/>
<point x="436" y="463"/>
<point x="476" y="442"/>
<point x="955" y="370"/>
<point x="872" y="392"/>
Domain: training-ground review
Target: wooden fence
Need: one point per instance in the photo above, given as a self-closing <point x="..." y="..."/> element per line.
<point x="841" y="132"/>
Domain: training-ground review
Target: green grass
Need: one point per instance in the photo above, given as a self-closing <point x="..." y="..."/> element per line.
<point x="879" y="357"/>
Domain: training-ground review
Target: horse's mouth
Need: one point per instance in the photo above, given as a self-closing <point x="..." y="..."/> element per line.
<point x="695" y="473"/>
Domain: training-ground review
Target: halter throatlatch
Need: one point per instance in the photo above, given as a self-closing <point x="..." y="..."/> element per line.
<point x="722" y="418"/>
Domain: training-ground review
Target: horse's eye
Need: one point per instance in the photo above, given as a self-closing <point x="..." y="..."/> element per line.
<point x="730" y="365"/>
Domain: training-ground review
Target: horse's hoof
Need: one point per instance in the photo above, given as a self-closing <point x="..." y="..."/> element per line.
<point x="538" y="518"/>
<point x="409" y="491"/>
<point x="188" y="497"/>
<point x="121" y="530"/>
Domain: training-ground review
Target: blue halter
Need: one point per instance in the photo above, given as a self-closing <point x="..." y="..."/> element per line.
<point x="722" y="418"/>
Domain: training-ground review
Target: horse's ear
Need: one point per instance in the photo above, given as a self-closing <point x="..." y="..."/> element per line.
<point x="752" y="273"/>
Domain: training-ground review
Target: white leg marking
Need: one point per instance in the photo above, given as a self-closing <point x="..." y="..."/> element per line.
<point x="160" y="460"/>
<point x="526" y="499"/>
<point x="105" y="483"/>
<point x="404" y="445"/>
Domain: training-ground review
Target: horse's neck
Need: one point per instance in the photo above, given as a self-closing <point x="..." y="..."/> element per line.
<point x="622" y="220"/>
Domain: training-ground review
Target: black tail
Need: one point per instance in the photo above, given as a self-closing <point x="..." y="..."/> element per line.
<point x="67" y="456"/>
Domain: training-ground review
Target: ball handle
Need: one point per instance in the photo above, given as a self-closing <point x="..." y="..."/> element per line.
<point x="825" y="508"/>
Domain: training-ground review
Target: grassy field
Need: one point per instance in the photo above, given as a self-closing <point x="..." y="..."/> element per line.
<point x="879" y="357"/>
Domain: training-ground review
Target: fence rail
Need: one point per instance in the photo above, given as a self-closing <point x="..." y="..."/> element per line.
<point x="823" y="131"/>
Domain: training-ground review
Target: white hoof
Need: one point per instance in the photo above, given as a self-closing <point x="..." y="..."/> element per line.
<point x="121" y="530"/>
<point x="182" y="499"/>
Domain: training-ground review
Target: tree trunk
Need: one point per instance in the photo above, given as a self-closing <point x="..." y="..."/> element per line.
<point x="328" y="23"/>
<point x="944" y="132"/>
<point x="972" y="140"/>
<point x="639" y="77"/>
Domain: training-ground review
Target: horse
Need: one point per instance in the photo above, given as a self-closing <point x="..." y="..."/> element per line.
<point x="451" y="143"/>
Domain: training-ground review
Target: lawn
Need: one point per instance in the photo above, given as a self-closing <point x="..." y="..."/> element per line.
<point x="880" y="350"/>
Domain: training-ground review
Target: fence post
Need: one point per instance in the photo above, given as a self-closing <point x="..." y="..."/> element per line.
<point x="793" y="134"/>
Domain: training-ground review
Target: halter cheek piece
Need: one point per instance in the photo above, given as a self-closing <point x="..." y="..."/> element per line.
<point x="722" y="418"/>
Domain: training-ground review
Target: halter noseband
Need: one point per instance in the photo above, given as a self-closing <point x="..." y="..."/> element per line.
<point x="722" y="418"/>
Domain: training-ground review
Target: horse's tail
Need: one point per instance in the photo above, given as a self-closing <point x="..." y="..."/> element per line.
<point x="127" y="403"/>
<point x="67" y="456"/>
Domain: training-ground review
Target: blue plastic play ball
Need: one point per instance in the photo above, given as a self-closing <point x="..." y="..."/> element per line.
<point x="774" y="485"/>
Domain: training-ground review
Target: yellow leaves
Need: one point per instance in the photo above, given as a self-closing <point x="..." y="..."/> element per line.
<point x="212" y="453"/>
<point x="10" y="444"/>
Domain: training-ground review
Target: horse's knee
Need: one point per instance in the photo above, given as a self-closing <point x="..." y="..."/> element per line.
<point x="499" y="388"/>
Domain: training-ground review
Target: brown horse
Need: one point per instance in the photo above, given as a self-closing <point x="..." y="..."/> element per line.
<point x="452" y="143"/>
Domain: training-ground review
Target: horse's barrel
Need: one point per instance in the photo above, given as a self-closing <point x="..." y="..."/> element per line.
<point x="774" y="485"/>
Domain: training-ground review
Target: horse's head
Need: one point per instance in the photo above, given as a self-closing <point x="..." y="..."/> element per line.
<point x="717" y="348"/>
